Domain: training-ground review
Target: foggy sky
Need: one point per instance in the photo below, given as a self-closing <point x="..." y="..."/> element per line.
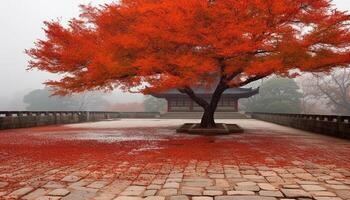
<point x="21" y="23"/>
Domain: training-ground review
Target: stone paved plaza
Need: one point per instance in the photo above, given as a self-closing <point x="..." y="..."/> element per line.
<point x="146" y="159"/>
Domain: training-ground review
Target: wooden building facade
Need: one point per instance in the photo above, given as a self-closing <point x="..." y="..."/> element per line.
<point x="179" y="102"/>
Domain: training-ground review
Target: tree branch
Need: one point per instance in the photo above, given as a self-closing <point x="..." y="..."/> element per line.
<point x="249" y="80"/>
<point x="200" y="101"/>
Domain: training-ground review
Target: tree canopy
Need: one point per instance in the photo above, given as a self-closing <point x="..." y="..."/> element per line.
<point x="153" y="45"/>
<point x="176" y="44"/>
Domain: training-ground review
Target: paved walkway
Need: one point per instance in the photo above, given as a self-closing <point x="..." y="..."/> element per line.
<point x="146" y="159"/>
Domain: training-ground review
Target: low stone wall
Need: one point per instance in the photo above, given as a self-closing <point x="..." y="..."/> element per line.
<point x="337" y="126"/>
<point x="139" y="114"/>
<point x="25" y="119"/>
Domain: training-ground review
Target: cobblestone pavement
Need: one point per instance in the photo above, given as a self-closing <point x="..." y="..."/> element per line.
<point x="146" y="159"/>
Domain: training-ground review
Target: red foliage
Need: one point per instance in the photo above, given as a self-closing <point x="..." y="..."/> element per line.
<point x="175" y="44"/>
<point x="27" y="154"/>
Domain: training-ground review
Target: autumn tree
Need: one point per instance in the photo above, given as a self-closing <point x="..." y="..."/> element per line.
<point x="154" y="45"/>
<point x="332" y="88"/>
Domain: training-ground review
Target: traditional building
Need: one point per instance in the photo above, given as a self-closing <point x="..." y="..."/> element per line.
<point x="179" y="102"/>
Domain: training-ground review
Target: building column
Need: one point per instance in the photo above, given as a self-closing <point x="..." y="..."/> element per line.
<point x="169" y="106"/>
<point x="236" y="105"/>
<point x="191" y="105"/>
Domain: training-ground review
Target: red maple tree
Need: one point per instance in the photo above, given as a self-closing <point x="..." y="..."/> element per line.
<point x="155" y="45"/>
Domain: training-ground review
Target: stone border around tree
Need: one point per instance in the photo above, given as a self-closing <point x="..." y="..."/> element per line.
<point x="220" y="129"/>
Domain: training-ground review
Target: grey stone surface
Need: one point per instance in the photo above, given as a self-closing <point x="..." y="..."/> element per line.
<point x="295" y="193"/>
<point x="167" y="192"/>
<point x="244" y="198"/>
<point x="20" y="192"/>
<point x="59" y="192"/>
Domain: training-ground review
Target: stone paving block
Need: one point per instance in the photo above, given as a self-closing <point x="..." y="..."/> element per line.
<point x="234" y="192"/>
<point x="305" y="176"/>
<point x="71" y="178"/>
<point x="179" y="197"/>
<point x="3" y="184"/>
<point x="202" y="198"/>
<point x="268" y="173"/>
<point x="80" y="183"/>
<point x="328" y="198"/>
<point x="84" y="189"/>
<point x="295" y="193"/>
<point x="198" y="182"/>
<point x="133" y="190"/>
<point x="154" y="187"/>
<point x="296" y="170"/>
<point x="270" y="193"/>
<point x="149" y="193"/>
<point x="53" y="185"/>
<point x="274" y="179"/>
<point x="20" y="192"/>
<point x="322" y="194"/>
<point x="291" y="186"/>
<point x="158" y="181"/>
<point x="344" y="194"/>
<point x="339" y="187"/>
<point x="302" y="182"/>
<point x="154" y="198"/>
<point x="266" y="186"/>
<point x="177" y="180"/>
<point x="247" y="183"/>
<point x="244" y="198"/>
<point x="59" y="192"/>
<point x="193" y="191"/>
<point x="216" y="176"/>
<point x="167" y="192"/>
<point x="249" y="172"/>
<point x="98" y="184"/>
<point x="173" y="185"/>
<point x="334" y="182"/>
<point x="212" y="192"/>
<point x="3" y="193"/>
<point x="48" y="198"/>
<point x="105" y="196"/>
<point x="222" y="183"/>
<point x="255" y="178"/>
<point x="253" y="188"/>
<point x="176" y="175"/>
<point x="128" y="198"/>
<point x="287" y="199"/>
<point x="36" y="194"/>
<point x="233" y="175"/>
<point x="117" y="187"/>
<point x="313" y="188"/>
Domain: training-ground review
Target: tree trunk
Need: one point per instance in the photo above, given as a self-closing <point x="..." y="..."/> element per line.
<point x="207" y="120"/>
<point x="209" y="107"/>
<point x="209" y="111"/>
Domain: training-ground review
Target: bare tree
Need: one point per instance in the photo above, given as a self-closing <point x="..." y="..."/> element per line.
<point x="332" y="89"/>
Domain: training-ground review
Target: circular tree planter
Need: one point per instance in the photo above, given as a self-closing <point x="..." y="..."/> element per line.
<point x="220" y="129"/>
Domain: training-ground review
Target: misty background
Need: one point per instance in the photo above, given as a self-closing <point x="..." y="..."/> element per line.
<point x="21" y="23"/>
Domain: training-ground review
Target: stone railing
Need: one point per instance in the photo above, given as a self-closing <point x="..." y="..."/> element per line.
<point x="333" y="125"/>
<point x="24" y="119"/>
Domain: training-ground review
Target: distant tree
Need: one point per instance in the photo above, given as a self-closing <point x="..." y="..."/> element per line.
<point x="42" y="99"/>
<point x="153" y="104"/>
<point x="332" y="88"/>
<point x="127" y="107"/>
<point x="277" y="95"/>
